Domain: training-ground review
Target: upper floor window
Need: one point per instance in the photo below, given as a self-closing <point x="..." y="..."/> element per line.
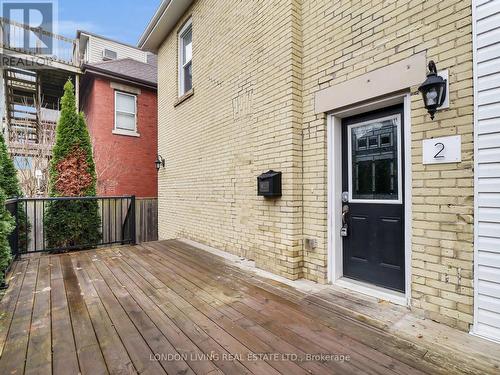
<point x="185" y="58"/>
<point x="108" y="54"/>
<point x="125" y="113"/>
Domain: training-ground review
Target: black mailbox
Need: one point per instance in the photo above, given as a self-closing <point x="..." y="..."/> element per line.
<point x="269" y="184"/>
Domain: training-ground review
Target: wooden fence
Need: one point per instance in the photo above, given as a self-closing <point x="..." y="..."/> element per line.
<point x="146" y="219"/>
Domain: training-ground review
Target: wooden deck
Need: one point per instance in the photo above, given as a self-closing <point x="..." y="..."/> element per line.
<point x="166" y="307"/>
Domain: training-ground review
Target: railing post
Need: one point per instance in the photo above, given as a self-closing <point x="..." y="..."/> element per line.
<point x="15" y="250"/>
<point x="133" y="238"/>
<point x="76" y="53"/>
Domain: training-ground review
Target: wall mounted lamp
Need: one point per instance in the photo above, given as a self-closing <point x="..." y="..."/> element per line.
<point x="433" y="90"/>
<point x="159" y="162"/>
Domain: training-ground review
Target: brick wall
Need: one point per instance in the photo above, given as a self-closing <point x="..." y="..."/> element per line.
<point x="124" y="164"/>
<point x="237" y="125"/>
<point x="344" y="39"/>
<point x="256" y="67"/>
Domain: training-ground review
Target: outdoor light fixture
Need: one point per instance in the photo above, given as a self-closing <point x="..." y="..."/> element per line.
<point x="433" y="90"/>
<point x="159" y="162"/>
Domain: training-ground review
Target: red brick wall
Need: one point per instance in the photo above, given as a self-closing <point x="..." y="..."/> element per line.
<point x="124" y="164"/>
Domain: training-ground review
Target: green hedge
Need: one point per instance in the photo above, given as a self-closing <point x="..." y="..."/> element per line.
<point x="72" y="173"/>
<point x="6" y="227"/>
<point x="11" y="187"/>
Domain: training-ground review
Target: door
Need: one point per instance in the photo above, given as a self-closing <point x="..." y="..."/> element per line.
<point x="373" y="198"/>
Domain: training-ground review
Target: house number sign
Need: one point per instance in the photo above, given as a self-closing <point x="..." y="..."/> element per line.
<point x="442" y="150"/>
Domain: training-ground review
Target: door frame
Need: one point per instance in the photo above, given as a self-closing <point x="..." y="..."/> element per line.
<point x="334" y="167"/>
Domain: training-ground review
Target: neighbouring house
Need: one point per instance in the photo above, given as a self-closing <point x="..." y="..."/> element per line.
<point x="31" y="95"/>
<point x="96" y="48"/>
<point x="118" y="98"/>
<point x="375" y="195"/>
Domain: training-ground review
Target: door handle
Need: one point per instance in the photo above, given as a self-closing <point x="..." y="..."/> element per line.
<point x="343" y="230"/>
<point x="345" y="211"/>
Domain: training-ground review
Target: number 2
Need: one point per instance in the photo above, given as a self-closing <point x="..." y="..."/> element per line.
<point x="438" y="156"/>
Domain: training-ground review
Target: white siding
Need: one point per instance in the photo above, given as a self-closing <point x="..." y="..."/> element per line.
<point x="487" y="167"/>
<point x="97" y="45"/>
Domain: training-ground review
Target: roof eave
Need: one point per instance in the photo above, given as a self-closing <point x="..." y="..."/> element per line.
<point x="164" y="20"/>
<point x="122" y="77"/>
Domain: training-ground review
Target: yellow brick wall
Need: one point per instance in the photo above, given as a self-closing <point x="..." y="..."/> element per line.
<point x="243" y="119"/>
<point x="256" y="67"/>
<point x="344" y="39"/>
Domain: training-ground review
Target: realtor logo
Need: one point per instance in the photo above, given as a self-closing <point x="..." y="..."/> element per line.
<point x="27" y="26"/>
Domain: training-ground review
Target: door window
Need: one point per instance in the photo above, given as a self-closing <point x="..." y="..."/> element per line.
<point x="374" y="156"/>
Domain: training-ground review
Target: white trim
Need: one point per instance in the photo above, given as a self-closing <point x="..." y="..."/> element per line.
<point x="477" y="333"/>
<point x="166" y="17"/>
<point x="349" y="163"/>
<point x="369" y="106"/>
<point x="372" y="290"/>
<point x="153" y="23"/>
<point x="180" y="55"/>
<point x="408" y="195"/>
<point x="89" y="46"/>
<point x="473" y="329"/>
<point x="334" y="170"/>
<point x="121" y="130"/>
<point x="128" y="133"/>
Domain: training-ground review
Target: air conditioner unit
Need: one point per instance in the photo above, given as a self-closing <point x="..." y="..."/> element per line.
<point x="107" y="54"/>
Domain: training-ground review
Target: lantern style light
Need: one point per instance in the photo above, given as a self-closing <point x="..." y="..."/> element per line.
<point x="433" y="90"/>
<point x="159" y="162"/>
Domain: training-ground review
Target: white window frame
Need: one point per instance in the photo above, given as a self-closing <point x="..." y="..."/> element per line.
<point x="121" y="131"/>
<point x="107" y="58"/>
<point x="399" y="200"/>
<point x="188" y="25"/>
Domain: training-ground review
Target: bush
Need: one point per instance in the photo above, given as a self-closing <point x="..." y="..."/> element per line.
<point x="6" y="227"/>
<point x="11" y="187"/>
<point x="72" y="174"/>
<point x="8" y="178"/>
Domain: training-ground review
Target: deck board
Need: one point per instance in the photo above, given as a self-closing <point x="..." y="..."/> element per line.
<point x="119" y="310"/>
<point x="64" y="356"/>
<point x="88" y="349"/>
<point x="115" y="354"/>
<point x="227" y="299"/>
<point x="278" y="311"/>
<point x="14" y="354"/>
<point x="217" y="326"/>
<point x="9" y="301"/>
<point x="135" y="344"/>
<point x="38" y="358"/>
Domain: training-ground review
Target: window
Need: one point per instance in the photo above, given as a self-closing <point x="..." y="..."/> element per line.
<point x="23" y="162"/>
<point x="125" y="112"/>
<point x="374" y="170"/>
<point x="108" y="54"/>
<point x="185" y="58"/>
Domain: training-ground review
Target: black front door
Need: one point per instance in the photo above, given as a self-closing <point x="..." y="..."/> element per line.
<point x="373" y="198"/>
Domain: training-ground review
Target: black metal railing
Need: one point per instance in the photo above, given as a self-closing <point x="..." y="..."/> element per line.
<point x="38" y="229"/>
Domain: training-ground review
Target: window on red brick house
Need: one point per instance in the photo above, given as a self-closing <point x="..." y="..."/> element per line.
<point x="125" y="112"/>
